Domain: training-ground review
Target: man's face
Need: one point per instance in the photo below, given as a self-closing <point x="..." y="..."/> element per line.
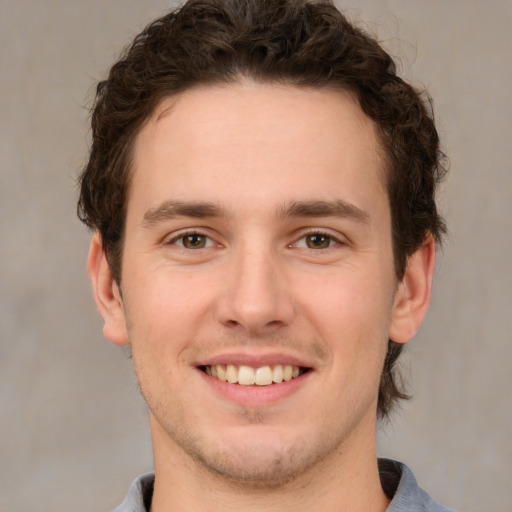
<point x="258" y="244"/>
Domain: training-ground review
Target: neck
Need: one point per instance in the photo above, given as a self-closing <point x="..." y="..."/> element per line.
<point x="346" y="480"/>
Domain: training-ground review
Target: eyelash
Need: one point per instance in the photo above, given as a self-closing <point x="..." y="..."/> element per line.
<point x="182" y="236"/>
<point x="333" y="241"/>
<point x="317" y="232"/>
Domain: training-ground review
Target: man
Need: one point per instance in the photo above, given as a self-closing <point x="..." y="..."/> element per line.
<point x="261" y="189"/>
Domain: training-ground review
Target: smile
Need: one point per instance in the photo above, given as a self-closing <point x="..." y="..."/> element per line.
<point x="248" y="376"/>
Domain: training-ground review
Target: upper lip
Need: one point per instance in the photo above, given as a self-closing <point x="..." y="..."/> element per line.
<point x="255" y="360"/>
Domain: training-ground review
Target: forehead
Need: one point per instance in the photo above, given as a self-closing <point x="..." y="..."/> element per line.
<point x="210" y="141"/>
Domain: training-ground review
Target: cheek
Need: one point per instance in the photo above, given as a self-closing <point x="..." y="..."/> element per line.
<point x="351" y="313"/>
<point x="164" y="299"/>
<point x="166" y="311"/>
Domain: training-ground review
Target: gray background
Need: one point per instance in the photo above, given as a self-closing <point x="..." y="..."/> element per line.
<point x="73" y="429"/>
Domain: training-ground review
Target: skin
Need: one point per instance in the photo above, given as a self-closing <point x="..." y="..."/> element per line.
<point x="274" y="275"/>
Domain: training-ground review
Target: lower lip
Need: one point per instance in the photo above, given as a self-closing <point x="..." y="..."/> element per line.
<point x="256" y="396"/>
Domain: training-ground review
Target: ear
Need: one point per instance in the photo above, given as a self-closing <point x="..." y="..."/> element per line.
<point x="106" y="294"/>
<point x="413" y="295"/>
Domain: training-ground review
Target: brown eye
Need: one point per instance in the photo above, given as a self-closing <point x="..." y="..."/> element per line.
<point x="318" y="241"/>
<point x="194" y="241"/>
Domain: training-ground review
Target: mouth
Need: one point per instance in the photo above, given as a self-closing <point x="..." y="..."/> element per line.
<point x="248" y="376"/>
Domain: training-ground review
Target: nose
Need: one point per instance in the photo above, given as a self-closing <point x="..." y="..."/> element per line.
<point x="256" y="298"/>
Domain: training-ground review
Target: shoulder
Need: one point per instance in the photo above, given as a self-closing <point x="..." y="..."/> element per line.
<point x="400" y="484"/>
<point x="139" y="495"/>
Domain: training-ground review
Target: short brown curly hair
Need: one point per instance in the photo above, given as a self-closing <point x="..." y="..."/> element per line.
<point x="303" y="43"/>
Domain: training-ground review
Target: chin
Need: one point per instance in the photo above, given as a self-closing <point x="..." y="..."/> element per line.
<point x="259" y="467"/>
<point x="270" y="462"/>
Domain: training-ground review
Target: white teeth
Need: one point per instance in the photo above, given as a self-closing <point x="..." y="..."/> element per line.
<point x="277" y="374"/>
<point x="221" y="373"/>
<point x="263" y="376"/>
<point x="231" y="374"/>
<point x="248" y="376"/>
<point x="245" y="376"/>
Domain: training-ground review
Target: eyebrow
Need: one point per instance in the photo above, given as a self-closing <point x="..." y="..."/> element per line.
<point x="336" y="208"/>
<point x="171" y="209"/>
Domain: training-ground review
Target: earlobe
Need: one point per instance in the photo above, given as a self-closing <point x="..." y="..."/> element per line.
<point x="106" y="294"/>
<point x="412" y="298"/>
